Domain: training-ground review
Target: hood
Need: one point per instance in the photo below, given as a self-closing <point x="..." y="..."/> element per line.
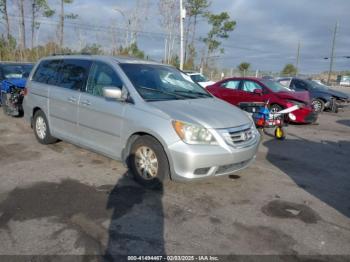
<point x="335" y="93"/>
<point x="208" y="112"/>
<point x="300" y="95"/>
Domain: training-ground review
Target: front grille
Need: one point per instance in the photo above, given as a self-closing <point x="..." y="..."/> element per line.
<point x="242" y="136"/>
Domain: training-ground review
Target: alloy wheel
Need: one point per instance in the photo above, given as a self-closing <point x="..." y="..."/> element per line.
<point x="317" y="105"/>
<point x="146" y="162"/>
<point x="40" y="127"/>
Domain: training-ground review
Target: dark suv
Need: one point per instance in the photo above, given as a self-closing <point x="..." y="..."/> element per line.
<point x="322" y="97"/>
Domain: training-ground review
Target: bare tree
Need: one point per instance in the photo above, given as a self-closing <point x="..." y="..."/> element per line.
<point x="169" y="20"/>
<point x="39" y="7"/>
<point x="194" y="8"/>
<point x="139" y="15"/>
<point x="4" y="12"/>
<point x="22" y="26"/>
<point x="63" y="17"/>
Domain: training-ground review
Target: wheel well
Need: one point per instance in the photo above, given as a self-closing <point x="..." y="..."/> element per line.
<point x="320" y="98"/>
<point x="36" y="109"/>
<point x="131" y="140"/>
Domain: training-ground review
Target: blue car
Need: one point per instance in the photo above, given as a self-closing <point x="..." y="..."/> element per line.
<point x="12" y="83"/>
<point x="322" y="97"/>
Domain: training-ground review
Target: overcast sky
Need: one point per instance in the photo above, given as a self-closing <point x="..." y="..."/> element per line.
<point x="266" y="35"/>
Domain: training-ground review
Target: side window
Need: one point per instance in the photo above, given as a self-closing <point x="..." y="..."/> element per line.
<point x="47" y="72"/>
<point x="102" y="75"/>
<point x="232" y="84"/>
<point x="74" y="74"/>
<point x="299" y="85"/>
<point x="250" y="86"/>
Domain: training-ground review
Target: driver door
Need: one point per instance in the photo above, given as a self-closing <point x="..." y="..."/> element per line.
<point x="100" y="119"/>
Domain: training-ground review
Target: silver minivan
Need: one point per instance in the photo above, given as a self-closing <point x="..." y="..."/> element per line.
<point x="151" y="116"/>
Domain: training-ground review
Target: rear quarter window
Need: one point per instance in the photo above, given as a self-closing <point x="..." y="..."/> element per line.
<point x="47" y="72"/>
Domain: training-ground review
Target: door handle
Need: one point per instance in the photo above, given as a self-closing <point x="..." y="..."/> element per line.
<point x="72" y="99"/>
<point x="85" y="103"/>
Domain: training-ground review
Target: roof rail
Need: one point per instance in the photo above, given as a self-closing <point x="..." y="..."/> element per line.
<point x="82" y="53"/>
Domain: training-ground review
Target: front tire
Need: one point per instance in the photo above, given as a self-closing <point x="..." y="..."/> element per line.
<point x="41" y="129"/>
<point x="318" y="105"/>
<point x="148" y="162"/>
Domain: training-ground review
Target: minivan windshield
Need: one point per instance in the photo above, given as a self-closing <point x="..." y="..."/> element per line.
<point x="160" y="82"/>
<point x="274" y="86"/>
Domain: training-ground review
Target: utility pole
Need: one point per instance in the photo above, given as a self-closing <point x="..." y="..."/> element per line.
<point x="298" y="59"/>
<point x="182" y="17"/>
<point x="332" y="53"/>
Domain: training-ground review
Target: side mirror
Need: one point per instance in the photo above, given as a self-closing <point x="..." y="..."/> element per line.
<point x="112" y="93"/>
<point x="257" y="91"/>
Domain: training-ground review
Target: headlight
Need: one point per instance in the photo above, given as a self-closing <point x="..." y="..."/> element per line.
<point x="193" y="134"/>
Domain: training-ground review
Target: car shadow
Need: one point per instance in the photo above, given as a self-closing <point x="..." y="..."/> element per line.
<point x="345" y="122"/>
<point x="137" y="221"/>
<point x="320" y="168"/>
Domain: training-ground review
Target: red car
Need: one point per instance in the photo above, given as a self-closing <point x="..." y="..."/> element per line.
<point x="247" y="89"/>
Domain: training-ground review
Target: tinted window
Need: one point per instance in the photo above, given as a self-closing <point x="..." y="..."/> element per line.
<point x="250" y="86"/>
<point x="74" y="73"/>
<point x="299" y="85"/>
<point x="47" y="72"/>
<point x="15" y="70"/>
<point x="232" y="84"/>
<point x="102" y="75"/>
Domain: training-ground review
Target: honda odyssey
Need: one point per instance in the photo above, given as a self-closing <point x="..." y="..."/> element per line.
<point x="151" y="116"/>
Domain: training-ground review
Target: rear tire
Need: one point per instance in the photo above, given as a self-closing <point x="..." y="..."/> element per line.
<point x="41" y="129"/>
<point x="148" y="162"/>
<point x="317" y="105"/>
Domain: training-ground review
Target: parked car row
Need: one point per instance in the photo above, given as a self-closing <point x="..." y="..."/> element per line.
<point x="152" y="117"/>
<point x="322" y="97"/>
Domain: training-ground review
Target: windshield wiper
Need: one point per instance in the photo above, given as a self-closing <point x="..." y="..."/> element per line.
<point x="163" y="92"/>
<point x="192" y="93"/>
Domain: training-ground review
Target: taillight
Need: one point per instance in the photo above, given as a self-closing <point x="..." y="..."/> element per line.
<point x="25" y="91"/>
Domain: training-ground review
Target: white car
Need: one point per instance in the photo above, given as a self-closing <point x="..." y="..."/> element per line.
<point x="345" y="81"/>
<point x="200" y="79"/>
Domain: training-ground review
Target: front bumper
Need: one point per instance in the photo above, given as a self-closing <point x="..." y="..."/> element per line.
<point x="305" y="116"/>
<point x="191" y="162"/>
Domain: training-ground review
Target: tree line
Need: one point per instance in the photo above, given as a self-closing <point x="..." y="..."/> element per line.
<point x="14" y="46"/>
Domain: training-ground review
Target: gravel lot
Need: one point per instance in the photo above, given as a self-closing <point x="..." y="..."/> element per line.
<point x="61" y="199"/>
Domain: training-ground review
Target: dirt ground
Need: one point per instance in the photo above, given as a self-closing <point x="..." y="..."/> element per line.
<point x="64" y="200"/>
